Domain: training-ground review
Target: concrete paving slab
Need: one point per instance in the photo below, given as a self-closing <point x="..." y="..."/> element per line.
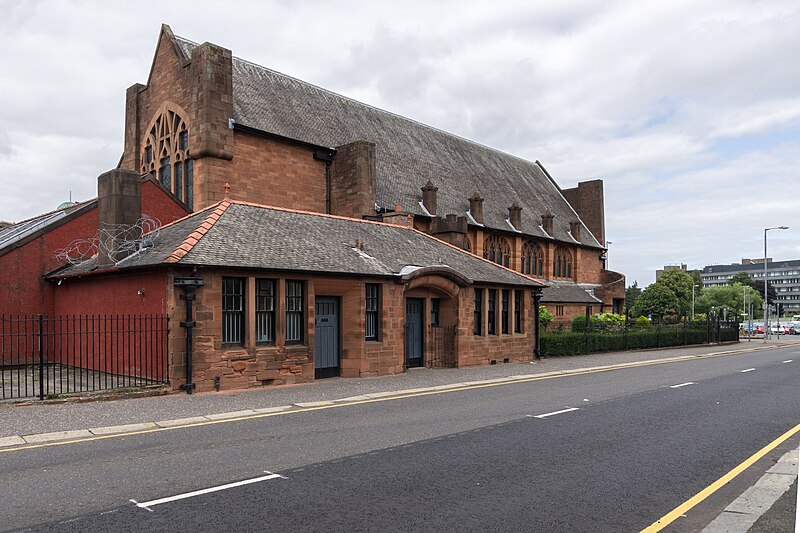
<point x="306" y="405"/>
<point x="181" y="421"/>
<point x="125" y="428"/>
<point x="359" y="398"/>
<point x="729" y="523"/>
<point x="11" y="441"/>
<point x="57" y="435"/>
<point x="267" y="410"/>
<point x="231" y="414"/>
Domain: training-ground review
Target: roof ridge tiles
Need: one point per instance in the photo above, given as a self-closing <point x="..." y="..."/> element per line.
<point x="194" y="237"/>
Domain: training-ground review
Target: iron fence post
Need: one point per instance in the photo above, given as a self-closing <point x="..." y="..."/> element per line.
<point x="40" y="340"/>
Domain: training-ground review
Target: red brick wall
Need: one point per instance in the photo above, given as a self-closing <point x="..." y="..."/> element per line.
<point x="159" y="204"/>
<point x="22" y="287"/>
<point x="113" y="294"/>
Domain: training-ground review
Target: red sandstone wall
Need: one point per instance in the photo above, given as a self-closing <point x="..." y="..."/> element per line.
<point x="270" y="172"/>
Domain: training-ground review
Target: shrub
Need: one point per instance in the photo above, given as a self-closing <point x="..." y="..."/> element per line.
<point x="642" y="322"/>
<point x="579" y="323"/>
<point x="545" y="317"/>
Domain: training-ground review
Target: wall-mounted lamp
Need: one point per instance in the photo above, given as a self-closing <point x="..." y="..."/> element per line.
<point x="140" y="292"/>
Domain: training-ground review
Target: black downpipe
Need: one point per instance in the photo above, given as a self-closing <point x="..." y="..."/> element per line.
<point x="537" y="344"/>
<point x="327" y="157"/>
<point x="189" y="286"/>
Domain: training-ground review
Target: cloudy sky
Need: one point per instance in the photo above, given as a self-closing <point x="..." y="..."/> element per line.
<point x="689" y="111"/>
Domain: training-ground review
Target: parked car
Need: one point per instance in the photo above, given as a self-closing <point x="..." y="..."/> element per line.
<point x="794" y="329"/>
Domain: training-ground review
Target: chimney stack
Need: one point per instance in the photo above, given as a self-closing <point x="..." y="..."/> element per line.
<point x="547" y="223"/>
<point x="119" y="205"/>
<point x="476" y="207"/>
<point x="515" y="216"/>
<point x="429" y="197"/>
<point x="575" y="230"/>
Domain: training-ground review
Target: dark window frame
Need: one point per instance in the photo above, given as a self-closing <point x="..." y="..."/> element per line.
<point x="477" y="313"/>
<point x="263" y="311"/>
<point x="295" y="311"/>
<point x="505" y="307"/>
<point x="491" y="313"/>
<point x="436" y="309"/>
<point x="233" y="315"/>
<point x="518" y="311"/>
<point x="372" y="312"/>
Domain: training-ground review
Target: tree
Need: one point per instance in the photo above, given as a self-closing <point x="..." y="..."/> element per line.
<point x="742" y="279"/>
<point x="680" y="283"/>
<point x="655" y="301"/>
<point x="729" y="296"/>
<point x="631" y="294"/>
<point x="698" y="282"/>
<point x="759" y="286"/>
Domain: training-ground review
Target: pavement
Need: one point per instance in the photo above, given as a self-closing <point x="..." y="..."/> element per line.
<point x="36" y="423"/>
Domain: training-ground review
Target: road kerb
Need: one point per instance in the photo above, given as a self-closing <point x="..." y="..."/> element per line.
<point x="16" y="440"/>
<point x="126" y="428"/>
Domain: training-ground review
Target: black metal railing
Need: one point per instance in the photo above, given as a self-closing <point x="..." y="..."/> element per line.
<point x="50" y="355"/>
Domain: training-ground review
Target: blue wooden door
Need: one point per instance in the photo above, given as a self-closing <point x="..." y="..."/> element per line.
<point x="326" y="338"/>
<point x="414" y="340"/>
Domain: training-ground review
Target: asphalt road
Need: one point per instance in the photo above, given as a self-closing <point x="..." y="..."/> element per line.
<point x="473" y="460"/>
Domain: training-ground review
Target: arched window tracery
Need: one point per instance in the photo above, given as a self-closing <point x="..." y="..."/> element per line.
<point x="165" y="154"/>
<point x="532" y="262"/>
<point x="497" y="250"/>
<point x="562" y="263"/>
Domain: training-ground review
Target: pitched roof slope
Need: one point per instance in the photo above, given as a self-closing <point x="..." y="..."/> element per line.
<point x="240" y="235"/>
<point x="409" y="153"/>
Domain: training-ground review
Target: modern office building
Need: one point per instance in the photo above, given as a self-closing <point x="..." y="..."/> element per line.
<point x="784" y="276"/>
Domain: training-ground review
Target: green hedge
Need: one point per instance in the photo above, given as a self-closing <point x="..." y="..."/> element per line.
<point x="579" y="343"/>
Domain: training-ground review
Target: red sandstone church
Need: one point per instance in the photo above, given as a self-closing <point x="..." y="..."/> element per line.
<point x="304" y="234"/>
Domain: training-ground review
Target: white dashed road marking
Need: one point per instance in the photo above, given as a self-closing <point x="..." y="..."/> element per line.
<point x="788" y="361"/>
<point x="682" y="385"/>
<point x="747" y="370"/>
<point x="151" y="503"/>
<point x="567" y="410"/>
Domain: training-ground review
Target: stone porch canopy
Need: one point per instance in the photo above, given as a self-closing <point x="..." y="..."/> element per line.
<point x="239" y="235"/>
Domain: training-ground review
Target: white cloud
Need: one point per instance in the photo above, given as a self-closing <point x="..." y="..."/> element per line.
<point x="688" y="110"/>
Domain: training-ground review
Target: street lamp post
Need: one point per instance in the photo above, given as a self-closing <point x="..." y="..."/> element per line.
<point x="693" y="286"/>
<point x="766" y="291"/>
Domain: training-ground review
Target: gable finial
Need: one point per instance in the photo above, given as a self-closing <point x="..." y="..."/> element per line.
<point x="226" y="188"/>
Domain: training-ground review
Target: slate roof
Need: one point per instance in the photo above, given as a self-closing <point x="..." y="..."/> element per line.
<point x="235" y="234"/>
<point x="409" y="153"/>
<point x="568" y="292"/>
<point x="22" y="232"/>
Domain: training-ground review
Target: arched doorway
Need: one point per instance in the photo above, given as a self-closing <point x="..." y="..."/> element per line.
<point x="431" y="321"/>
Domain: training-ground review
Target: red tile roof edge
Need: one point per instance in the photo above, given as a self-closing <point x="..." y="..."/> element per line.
<point x="194" y="237"/>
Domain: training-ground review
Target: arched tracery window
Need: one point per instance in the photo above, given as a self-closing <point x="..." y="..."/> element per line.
<point x="532" y="259"/>
<point x="165" y="155"/>
<point x="562" y="263"/>
<point x="496" y="249"/>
